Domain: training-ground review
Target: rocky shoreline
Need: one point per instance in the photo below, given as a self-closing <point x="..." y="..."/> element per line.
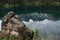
<point x="13" y="26"/>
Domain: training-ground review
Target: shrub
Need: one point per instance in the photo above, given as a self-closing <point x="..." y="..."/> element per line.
<point x="36" y="35"/>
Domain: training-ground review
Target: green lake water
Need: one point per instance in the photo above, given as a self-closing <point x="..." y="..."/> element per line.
<point x="55" y="10"/>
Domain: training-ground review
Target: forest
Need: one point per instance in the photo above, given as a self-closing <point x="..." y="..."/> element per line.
<point x="12" y="3"/>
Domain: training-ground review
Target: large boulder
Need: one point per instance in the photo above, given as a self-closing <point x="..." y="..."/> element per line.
<point x="13" y="26"/>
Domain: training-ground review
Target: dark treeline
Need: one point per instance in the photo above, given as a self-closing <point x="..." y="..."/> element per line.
<point x="11" y="3"/>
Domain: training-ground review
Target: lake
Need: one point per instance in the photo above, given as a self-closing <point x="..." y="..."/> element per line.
<point x="44" y="18"/>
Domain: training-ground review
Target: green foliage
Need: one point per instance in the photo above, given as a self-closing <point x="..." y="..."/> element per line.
<point x="9" y="3"/>
<point x="6" y="6"/>
<point x="12" y="38"/>
<point x="8" y="38"/>
<point x="54" y="3"/>
<point x="36" y="35"/>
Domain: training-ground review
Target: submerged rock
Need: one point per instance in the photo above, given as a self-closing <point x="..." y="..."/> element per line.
<point x="13" y="26"/>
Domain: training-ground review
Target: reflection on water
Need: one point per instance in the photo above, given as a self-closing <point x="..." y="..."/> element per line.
<point x="48" y="28"/>
<point x="36" y="16"/>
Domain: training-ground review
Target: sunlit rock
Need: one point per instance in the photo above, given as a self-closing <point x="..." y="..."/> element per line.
<point x="12" y="25"/>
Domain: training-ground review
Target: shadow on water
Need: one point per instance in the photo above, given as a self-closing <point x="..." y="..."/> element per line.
<point x="54" y="10"/>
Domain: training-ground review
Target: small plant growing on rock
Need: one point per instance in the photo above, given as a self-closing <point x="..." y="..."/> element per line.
<point x="8" y="38"/>
<point x="36" y="35"/>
